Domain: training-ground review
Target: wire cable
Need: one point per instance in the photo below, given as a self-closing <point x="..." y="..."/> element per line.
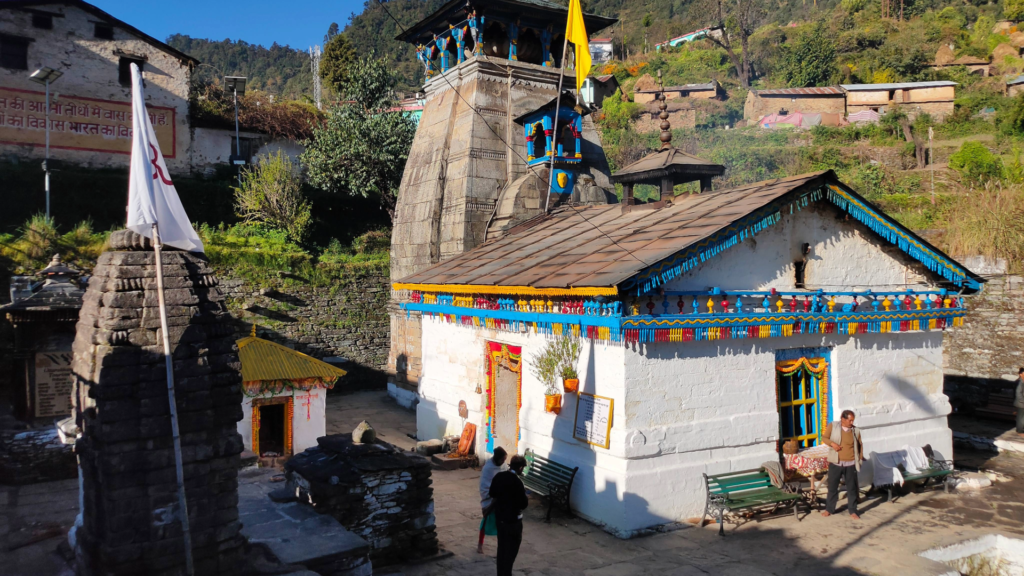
<point x="502" y="140"/>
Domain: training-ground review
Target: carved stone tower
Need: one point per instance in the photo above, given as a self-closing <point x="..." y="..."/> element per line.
<point x="487" y="63"/>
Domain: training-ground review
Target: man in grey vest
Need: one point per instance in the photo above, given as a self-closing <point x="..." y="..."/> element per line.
<point x="844" y="457"/>
<point x="1018" y="401"/>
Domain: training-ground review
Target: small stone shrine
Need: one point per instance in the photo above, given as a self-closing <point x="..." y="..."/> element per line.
<point x="128" y="522"/>
<point x="376" y="491"/>
<point x="43" y="317"/>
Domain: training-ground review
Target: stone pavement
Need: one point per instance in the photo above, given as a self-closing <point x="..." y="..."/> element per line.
<point x="886" y="541"/>
<point x="34" y="520"/>
<point x="985" y="434"/>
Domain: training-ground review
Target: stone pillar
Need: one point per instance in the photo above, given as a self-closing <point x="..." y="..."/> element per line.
<point x="129" y="515"/>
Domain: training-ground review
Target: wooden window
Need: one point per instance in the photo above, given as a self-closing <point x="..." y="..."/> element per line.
<point x="124" y="69"/>
<point x="801" y="393"/>
<point x="43" y="21"/>
<point x="103" y="31"/>
<point x="14" y="52"/>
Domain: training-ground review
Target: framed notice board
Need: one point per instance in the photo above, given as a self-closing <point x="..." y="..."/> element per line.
<point x="593" y="423"/>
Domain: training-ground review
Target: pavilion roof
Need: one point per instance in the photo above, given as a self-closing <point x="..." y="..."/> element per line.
<point x="667" y="162"/>
<point x="606" y="249"/>
<point x="263" y="360"/>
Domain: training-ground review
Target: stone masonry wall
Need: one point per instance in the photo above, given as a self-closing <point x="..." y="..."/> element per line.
<point x="986" y="353"/>
<point x="347" y="319"/>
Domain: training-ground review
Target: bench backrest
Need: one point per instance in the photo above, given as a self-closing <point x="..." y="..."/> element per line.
<point x="735" y="483"/>
<point x="540" y="471"/>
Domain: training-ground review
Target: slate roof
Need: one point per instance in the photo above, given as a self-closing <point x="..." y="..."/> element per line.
<point x="810" y="91"/>
<point x="101" y="15"/>
<point x="536" y="9"/>
<point x="572" y="247"/>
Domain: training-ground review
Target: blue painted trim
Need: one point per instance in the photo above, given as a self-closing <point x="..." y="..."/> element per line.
<point x="786" y="318"/>
<point x="784" y="354"/>
<point x="541" y="319"/>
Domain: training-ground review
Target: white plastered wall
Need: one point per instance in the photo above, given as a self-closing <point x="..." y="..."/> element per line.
<point x="308" y="423"/>
<point x="683" y="409"/>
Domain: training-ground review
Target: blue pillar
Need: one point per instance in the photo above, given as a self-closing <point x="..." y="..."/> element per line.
<point x="528" y="131"/>
<point x="545" y="46"/>
<point x="579" y="134"/>
<point x="513" y="37"/>
<point x="548" y="131"/>
<point x="442" y="43"/>
<point x="459" y="35"/>
<point x="476" y="30"/>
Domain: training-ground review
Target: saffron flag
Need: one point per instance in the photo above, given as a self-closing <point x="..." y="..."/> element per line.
<point x="152" y="198"/>
<point x="576" y="33"/>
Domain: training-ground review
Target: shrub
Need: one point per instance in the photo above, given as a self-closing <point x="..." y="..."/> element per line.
<point x="271" y="194"/>
<point x="975" y="163"/>
<point x="618" y="113"/>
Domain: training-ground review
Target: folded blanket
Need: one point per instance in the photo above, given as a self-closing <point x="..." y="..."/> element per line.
<point x="915" y="459"/>
<point x="775" y="472"/>
<point x="886" y="466"/>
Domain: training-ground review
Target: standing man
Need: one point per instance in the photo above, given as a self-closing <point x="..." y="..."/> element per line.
<point x="491" y="468"/>
<point x="509" y="502"/>
<point x="844" y="456"/>
<point x="1018" y="401"/>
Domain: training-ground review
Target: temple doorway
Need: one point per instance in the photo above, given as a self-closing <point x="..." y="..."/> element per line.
<point x="272" y="430"/>
<point x="505" y="381"/>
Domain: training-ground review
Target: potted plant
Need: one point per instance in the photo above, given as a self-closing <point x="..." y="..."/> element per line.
<point x="568" y="352"/>
<point x="546" y="367"/>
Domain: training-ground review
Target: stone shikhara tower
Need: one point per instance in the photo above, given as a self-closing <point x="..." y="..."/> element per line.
<point x="128" y="522"/>
<point x="487" y="64"/>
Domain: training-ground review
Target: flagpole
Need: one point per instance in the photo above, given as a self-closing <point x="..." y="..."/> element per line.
<point x="176" y="437"/>
<point x="554" y="135"/>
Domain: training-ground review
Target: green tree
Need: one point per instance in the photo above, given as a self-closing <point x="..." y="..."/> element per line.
<point x="1014" y="10"/>
<point x="271" y="194"/>
<point x="362" y="147"/>
<point x="336" y="61"/>
<point x="811" y="59"/>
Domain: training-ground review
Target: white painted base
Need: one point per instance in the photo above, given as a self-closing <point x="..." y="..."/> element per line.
<point x="405" y="398"/>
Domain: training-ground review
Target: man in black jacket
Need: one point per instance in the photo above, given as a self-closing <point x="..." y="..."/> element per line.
<point x="509" y="496"/>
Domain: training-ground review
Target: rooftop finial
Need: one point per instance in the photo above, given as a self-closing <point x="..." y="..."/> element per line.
<point x="666" y="128"/>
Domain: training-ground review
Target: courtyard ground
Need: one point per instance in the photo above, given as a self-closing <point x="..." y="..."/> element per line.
<point x="34" y="520"/>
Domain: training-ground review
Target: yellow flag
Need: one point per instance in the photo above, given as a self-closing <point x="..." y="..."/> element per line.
<point x="576" y="33"/>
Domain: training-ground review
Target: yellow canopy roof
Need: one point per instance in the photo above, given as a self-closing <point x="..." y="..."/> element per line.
<point x="267" y="361"/>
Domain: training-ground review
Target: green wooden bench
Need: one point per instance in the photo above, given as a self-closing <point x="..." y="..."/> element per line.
<point x="746" y="489"/>
<point x="550" y="479"/>
<point x="939" y="470"/>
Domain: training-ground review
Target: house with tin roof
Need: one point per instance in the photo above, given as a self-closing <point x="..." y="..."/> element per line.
<point x="935" y="97"/>
<point x="714" y="327"/>
<point x="827" y="100"/>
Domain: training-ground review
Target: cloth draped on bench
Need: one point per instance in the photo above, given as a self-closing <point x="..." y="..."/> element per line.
<point x="887" y="465"/>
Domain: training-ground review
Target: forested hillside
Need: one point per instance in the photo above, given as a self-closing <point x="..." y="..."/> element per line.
<point x="279" y="70"/>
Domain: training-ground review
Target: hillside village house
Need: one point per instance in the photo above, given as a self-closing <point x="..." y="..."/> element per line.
<point x="814" y="100"/>
<point x="1014" y="86"/>
<point x="596" y="88"/>
<point x="90" y="103"/>
<point x="90" y="110"/>
<point x="601" y="50"/>
<point x="935" y="98"/>
<point x="716" y="326"/>
<point x="708" y="90"/>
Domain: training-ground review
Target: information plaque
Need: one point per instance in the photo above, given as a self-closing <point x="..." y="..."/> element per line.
<point x="593" y="420"/>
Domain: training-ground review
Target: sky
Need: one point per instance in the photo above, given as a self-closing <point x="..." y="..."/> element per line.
<point x="299" y="24"/>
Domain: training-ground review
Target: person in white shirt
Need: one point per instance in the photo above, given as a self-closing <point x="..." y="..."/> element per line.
<point x="495" y="464"/>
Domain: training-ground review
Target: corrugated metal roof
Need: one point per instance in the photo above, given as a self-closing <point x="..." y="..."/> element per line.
<point x="898" y="85"/>
<point x="572" y="247"/>
<point x="810" y="91"/>
<point x="265" y="360"/>
<point x="1016" y="80"/>
<point x="682" y="88"/>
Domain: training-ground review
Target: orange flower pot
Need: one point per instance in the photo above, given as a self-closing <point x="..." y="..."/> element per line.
<point x="553" y="403"/>
<point x="571" y="385"/>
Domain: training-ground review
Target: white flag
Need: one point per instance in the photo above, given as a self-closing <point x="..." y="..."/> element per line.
<point x="152" y="198"/>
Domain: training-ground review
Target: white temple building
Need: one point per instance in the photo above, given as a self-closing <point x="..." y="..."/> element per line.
<point x="716" y="326"/>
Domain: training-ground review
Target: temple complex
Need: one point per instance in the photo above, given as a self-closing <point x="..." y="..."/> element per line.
<point x="469" y="176"/>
